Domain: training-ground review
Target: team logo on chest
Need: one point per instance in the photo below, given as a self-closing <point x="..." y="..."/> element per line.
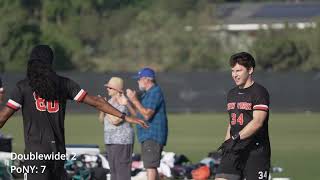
<point x="44" y="105"/>
<point x="239" y="105"/>
<point x="244" y="106"/>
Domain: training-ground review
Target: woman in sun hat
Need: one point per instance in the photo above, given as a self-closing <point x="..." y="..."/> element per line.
<point x="118" y="134"/>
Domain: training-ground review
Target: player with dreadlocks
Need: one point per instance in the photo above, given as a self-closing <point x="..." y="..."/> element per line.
<point x="42" y="96"/>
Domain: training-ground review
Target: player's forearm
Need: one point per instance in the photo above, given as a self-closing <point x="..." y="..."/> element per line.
<point x="254" y="125"/>
<point x="250" y="129"/>
<point x="2" y="121"/>
<point x="146" y="113"/>
<point x="107" y="108"/>
<point x="5" y="114"/>
<point x="101" y="105"/>
<point x="228" y="133"/>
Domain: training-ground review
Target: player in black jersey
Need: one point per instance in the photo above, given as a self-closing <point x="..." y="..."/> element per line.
<point x="42" y="96"/>
<point x="246" y="150"/>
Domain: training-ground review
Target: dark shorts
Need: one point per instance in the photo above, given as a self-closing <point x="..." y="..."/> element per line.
<point x="119" y="158"/>
<point x="151" y="154"/>
<point x="254" y="165"/>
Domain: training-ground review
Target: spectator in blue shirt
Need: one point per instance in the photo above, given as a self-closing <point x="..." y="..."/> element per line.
<point x="150" y="107"/>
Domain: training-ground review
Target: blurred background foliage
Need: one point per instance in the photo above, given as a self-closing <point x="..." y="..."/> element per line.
<point x="124" y="35"/>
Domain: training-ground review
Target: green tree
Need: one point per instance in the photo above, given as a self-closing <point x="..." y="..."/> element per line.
<point x="17" y="36"/>
<point x="279" y="50"/>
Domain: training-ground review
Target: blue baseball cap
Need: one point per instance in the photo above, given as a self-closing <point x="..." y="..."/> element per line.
<point x="145" y="72"/>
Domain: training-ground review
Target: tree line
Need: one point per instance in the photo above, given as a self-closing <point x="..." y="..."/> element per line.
<point x="124" y="35"/>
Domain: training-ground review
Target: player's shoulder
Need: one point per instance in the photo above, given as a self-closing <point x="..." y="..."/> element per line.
<point x="65" y="80"/>
<point x="156" y="91"/>
<point x="62" y="78"/>
<point x="259" y="89"/>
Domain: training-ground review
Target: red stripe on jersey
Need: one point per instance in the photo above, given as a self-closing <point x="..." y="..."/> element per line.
<point x="261" y="108"/>
<point x="12" y="106"/>
<point x="84" y="93"/>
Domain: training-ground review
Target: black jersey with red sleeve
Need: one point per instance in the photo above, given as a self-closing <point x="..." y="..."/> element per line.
<point x="240" y="105"/>
<point x="43" y="120"/>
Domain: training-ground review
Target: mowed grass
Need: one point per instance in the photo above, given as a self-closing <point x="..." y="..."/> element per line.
<point x="294" y="138"/>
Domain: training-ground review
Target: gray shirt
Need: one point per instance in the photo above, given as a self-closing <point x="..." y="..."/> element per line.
<point x="121" y="134"/>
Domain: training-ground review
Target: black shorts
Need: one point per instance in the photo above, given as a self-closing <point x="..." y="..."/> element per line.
<point x="255" y="165"/>
<point x="151" y="154"/>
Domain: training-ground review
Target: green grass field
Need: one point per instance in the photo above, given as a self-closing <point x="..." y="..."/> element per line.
<point x="294" y="138"/>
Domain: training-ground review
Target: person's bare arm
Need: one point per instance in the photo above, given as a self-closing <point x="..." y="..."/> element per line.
<point x="145" y="112"/>
<point x="253" y="126"/>
<point x="123" y="100"/>
<point x="5" y="114"/>
<point x="228" y="132"/>
<point x="101" y="105"/>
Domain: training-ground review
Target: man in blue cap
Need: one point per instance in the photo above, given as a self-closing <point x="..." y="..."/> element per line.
<point x="150" y="107"/>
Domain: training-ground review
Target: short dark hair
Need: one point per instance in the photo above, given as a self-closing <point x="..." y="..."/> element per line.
<point x="243" y="58"/>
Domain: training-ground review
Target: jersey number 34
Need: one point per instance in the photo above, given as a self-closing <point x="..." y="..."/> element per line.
<point x="235" y="119"/>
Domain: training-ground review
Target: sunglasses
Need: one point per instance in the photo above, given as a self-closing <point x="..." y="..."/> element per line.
<point x="114" y="89"/>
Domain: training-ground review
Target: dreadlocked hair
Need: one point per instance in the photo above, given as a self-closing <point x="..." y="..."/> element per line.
<point x="44" y="81"/>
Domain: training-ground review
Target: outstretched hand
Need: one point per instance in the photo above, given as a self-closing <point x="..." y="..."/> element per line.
<point x="136" y="121"/>
<point x="142" y="123"/>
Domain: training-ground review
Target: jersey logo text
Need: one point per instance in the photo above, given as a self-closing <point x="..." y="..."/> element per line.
<point x="231" y="106"/>
<point x="43" y="105"/>
<point x="244" y="106"/>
